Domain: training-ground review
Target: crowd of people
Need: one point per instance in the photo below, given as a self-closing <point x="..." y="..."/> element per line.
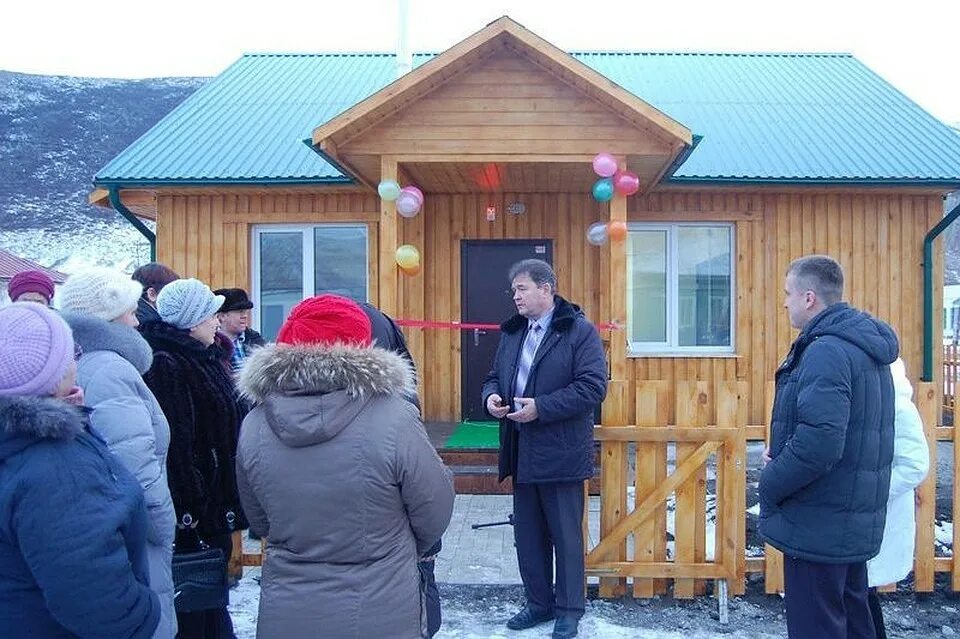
<point x="127" y="446"/>
<point x="144" y="421"/>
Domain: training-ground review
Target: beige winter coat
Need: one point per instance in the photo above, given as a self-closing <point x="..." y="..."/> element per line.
<point x="334" y="467"/>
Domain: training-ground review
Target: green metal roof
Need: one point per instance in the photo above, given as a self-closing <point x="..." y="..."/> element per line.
<point x="792" y="118"/>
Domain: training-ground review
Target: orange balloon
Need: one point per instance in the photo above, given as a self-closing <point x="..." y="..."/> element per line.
<point x="617" y="231"/>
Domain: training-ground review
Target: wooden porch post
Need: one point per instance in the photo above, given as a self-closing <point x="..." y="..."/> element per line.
<point x="613" y="492"/>
<point x="388" y="242"/>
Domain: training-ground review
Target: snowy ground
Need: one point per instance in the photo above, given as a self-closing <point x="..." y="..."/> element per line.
<point x="480" y="612"/>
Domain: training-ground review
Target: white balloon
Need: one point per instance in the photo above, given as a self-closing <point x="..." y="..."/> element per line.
<point x="597" y="233"/>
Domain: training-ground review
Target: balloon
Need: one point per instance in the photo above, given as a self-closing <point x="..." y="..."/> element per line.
<point x="603" y="190"/>
<point x="597" y="233"/>
<point x="617" y="231"/>
<point x="604" y="164"/>
<point x="407" y="257"/>
<point x="412" y="190"/>
<point x="408" y="205"/>
<point x="626" y="183"/>
<point x="389" y="190"/>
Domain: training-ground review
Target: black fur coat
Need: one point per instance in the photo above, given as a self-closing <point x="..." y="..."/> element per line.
<point x="199" y="399"/>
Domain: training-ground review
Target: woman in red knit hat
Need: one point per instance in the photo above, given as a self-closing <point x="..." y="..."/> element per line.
<point x="335" y="469"/>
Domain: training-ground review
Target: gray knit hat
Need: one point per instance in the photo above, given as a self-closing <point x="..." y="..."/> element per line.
<point x="186" y="303"/>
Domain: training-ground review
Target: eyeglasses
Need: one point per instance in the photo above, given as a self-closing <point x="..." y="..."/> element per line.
<point x="77" y="351"/>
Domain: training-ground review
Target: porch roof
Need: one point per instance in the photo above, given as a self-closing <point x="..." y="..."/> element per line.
<point x="767" y="118"/>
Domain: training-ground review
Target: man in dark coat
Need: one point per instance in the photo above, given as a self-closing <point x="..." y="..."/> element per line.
<point x="235" y="324"/>
<point x="548" y="377"/>
<point x="823" y="492"/>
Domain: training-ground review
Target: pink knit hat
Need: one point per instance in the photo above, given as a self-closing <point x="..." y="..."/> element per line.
<point x="30" y="282"/>
<point x="36" y="348"/>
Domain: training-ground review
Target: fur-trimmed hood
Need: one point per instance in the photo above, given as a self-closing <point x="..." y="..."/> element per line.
<point x="94" y="334"/>
<point x="311" y="393"/>
<point x="25" y="420"/>
<point x="317" y="370"/>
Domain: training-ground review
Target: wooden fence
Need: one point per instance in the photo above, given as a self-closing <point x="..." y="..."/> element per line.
<point x="633" y="541"/>
<point x="634" y="530"/>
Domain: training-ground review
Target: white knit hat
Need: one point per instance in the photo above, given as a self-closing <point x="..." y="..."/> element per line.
<point x="100" y="292"/>
<point x="186" y="303"/>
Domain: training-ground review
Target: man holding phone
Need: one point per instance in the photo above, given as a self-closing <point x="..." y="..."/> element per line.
<point x="548" y="377"/>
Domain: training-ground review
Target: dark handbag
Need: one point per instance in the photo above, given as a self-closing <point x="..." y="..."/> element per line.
<point x="200" y="580"/>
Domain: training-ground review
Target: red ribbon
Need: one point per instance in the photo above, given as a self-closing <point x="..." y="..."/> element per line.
<point x="468" y="326"/>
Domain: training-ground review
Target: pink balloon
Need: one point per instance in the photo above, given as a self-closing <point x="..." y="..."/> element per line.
<point x="604" y="164"/>
<point x="626" y="183"/>
<point x="417" y="193"/>
<point x="408" y="205"/>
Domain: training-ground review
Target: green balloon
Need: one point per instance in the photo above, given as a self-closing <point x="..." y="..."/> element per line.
<point x="603" y="190"/>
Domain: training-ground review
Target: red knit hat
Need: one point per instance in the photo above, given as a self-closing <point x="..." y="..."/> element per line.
<point x="326" y="319"/>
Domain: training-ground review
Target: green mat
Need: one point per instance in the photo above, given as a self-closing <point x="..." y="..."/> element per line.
<point x="475" y="435"/>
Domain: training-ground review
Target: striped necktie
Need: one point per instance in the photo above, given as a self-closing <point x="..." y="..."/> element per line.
<point x="527" y="353"/>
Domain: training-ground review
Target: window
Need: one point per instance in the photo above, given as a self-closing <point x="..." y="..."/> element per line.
<point x="680" y="288"/>
<point x="291" y="263"/>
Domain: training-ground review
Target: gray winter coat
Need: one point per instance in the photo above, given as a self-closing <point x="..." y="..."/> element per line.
<point x="334" y="467"/>
<point x="128" y="418"/>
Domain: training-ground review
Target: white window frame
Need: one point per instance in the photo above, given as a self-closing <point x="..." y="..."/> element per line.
<point x="671" y="347"/>
<point x="307" y="268"/>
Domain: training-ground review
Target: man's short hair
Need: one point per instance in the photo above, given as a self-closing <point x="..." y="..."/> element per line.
<point x="154" y="275"/>
<point x="821" y="274"/>
<point x="539" y="271"/>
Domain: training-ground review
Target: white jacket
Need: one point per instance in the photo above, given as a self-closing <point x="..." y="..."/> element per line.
<point x="911" y="460"/>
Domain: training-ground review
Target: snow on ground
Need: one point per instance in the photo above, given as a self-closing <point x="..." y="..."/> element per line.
<point x="481" y="612"/>
<point x="943" y="532"/>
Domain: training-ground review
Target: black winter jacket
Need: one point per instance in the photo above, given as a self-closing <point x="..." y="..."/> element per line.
<point x="195" y="390"/>
<point x="823" y="496"/>
<point x="568" y="380"/>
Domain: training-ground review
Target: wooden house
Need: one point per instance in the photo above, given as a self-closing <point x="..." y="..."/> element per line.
<point x="267" y="178"/>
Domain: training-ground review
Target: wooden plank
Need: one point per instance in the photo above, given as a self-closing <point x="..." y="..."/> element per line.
<point x="923" y="568"/>
<point x="613" y="507"/>
<point x="304" y="217"/>
<point x="691" y="411"/>
<point x="235" y="562"/>
<point x="216" y="243"/>
<point x="730" y="536"/>
<point x="645" y="481"/>
<point x="663" y="434"/>
<point x="618" y="291"/>
<point x="419" y="118"/>
<point x="387" y="242"/>
<point x="613" y="476"/>
<point x="658" y="569"/>
<point x="178" y="260"/>
<point x="489" y="145"/>
<point x="773" y="577"/>
<point x="165" y="230"/>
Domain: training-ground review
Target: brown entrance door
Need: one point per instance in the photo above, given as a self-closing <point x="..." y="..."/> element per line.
<point x="485" y="298"/>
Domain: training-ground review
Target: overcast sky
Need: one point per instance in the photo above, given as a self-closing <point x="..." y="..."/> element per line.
<point x="914" y="44"/>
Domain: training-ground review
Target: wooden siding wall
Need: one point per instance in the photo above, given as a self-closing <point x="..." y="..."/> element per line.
<point x="877" y="237"/>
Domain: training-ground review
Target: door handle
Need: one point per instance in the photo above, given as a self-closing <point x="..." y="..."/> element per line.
<point x="476" y="336"/>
